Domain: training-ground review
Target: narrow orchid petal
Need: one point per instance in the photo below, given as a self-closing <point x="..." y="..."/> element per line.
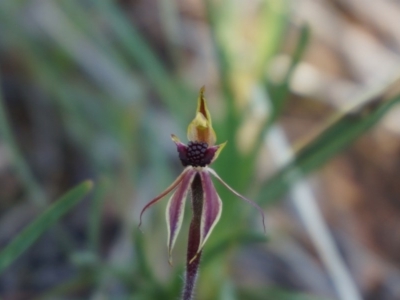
<point x="240" y="196"/>
<point x="212" y="208"/>
<point x="217" y="151"/>
<point x="164" y="193"/>
<point x="176" y="208"/>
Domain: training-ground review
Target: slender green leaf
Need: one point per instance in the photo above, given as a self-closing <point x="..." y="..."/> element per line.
<point x="95" y="214"/>
<point x="228" y="290"/>
<point x="279" y="93"/>
<point x="146" y="59"/>
<point x="35" y="192"/>
<point x="339" y="135"/>
<point x="45" y="221"/>
<point x="274" y="22"/>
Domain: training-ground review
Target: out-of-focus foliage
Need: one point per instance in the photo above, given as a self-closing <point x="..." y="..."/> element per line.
<point x="92" y="90"/>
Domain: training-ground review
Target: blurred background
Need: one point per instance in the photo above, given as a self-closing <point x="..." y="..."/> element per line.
<point x="304" y="92"/>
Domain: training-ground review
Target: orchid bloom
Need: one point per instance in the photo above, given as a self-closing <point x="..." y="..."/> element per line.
<point x="196" y="157"/>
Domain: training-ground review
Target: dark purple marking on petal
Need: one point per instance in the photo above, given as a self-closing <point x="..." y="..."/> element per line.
<point x="183" y="154"/>
<point x="193" y="257"/>
<point x="240" y="196"/>
<point x="212" y="208"/>
<point x="182" y="150"/>
<point x="176" y="208"/>
<point x="209" y="155"/>
<point x="164" y="193"/>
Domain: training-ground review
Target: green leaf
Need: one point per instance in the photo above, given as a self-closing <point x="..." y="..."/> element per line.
<point x="21" y="167"/>
<point x="228" y="290"/>
<point x="280" y="92"/>
<point x="341" y="132"/>
<point x="93" y="229"/>
<point x="278" y="95"/>
<point x="166" y="84"/>
<point x="47" y="219"/>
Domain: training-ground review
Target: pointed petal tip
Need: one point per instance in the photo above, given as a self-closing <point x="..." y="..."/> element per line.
<point x="194" y="257"/>
<point x="163" y="194"/>
<point x="175" y="139"/>
<point x="255" y="205"/>
<point x="218" y="151"/>
<point x="141" y="221"/>
<point x="140" y="225"/>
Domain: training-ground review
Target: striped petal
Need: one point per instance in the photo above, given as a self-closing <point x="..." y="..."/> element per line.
<point x="167" y="191"/>
<point x="212" y="208"/>
<point x="176" y="208"/>
<point x="240" y="196"/>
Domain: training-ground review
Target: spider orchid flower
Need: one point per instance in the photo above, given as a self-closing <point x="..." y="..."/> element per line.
<point x="196" y="156"/>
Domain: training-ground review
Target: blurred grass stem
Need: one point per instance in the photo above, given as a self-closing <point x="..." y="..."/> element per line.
<point x="305" y="203"/>
<point x="35" y="193"/>
<point x="53" y="21"/>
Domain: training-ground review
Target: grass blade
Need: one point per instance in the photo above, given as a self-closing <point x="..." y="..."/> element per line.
<point x="35" y="192"/>
<point x="47" y="219"/>
<point x="130" y="38"/>
<point x="96" y="214"/>
<point x="340" y="134"/>
<point x="279" y="93"/>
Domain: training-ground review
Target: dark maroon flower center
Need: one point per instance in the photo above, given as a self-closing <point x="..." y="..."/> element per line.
<point x="196" y="154"/>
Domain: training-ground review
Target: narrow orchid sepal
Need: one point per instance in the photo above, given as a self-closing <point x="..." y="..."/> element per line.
<point x="202" y="105"/>
<point x="176" y="140"/>
<point x="200" y="129"/>
<point x="239" y="195"/>
<point x="212" y="208"/>
<point x="218" y="151"/>
<point x="165" y="192"/>
<point x="179" y="145"/>
<point x="176" y="208"/>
